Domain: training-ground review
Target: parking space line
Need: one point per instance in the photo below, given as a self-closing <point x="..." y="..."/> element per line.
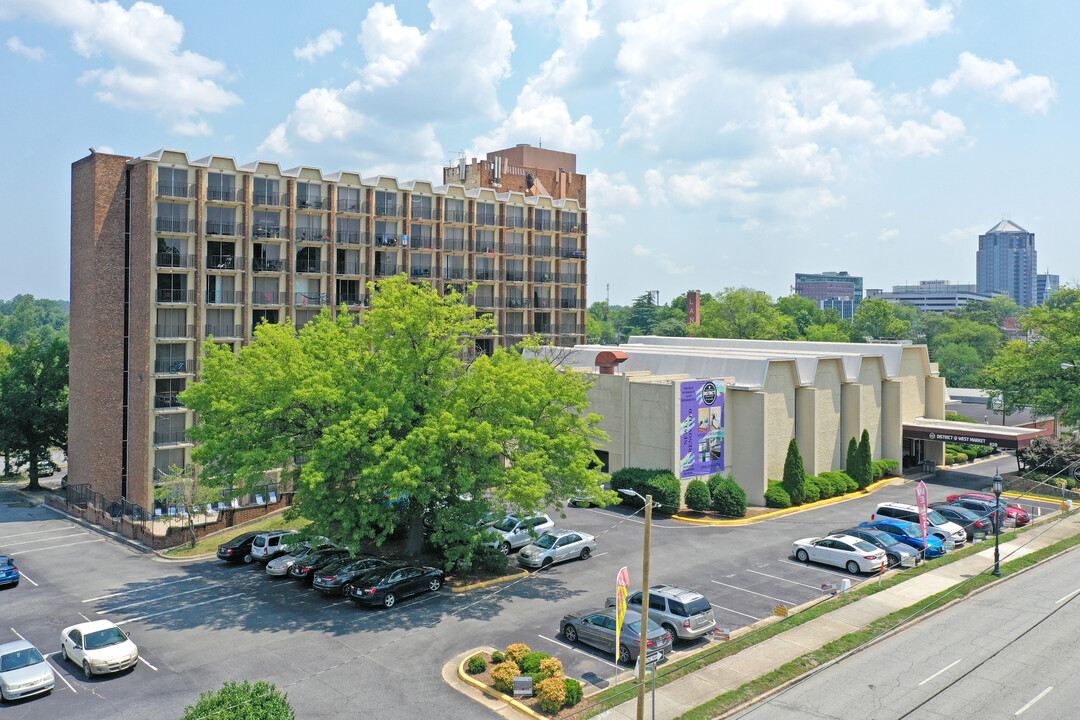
<point x="53" y="547"/>
<point x="569" y="647"/>
<point x="770" y="597"/>
<point x="939" y="672"/>
<point x="1070" y="595"/>
<point x="57" y="673"/>
<point x="143" y="602"/>
<point x="721" y="607"/>
<point x="600" y="554"/>
<point x="5" y="538"/>
<point x="24" y="576"/>
<point x="814" y="567"/>
<point x="17" y="634"/>
<point x="143" y="661"/>
<point x="1035" y="699"/>
<point x="35" y="540"/>
<point x="175" y="609"/>
<point x="126" y="592"/>
<point x="776" y="577"/>
<point x="84" y="617"/>
<point x="340" y="602"/>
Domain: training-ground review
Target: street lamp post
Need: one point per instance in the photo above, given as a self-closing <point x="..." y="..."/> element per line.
<point x="643" y="636"/>
<point x="997" y="524"/>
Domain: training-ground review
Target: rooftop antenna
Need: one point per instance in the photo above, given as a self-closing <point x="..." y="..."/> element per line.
<point x="540" y="142"/>
<point x="607" y="293"/>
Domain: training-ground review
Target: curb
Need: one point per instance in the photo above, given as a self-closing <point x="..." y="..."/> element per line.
<point x="495" y="693"/>
<point x="91" y="526"/>
<point x="496" y="581"/>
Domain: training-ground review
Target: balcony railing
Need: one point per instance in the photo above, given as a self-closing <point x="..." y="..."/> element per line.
<point x="513" y="222"/>
<point x="267" y="298"/>
<point x="486" y="219"/>
<point x="517" y="303"/>
<point x="179" y="190"/>
<point x="225" y="228"/>
<point x="514" y="275"/>
<point x="271" y="199"/>
<point x="308" y="300"/>
<point x="174" y="331"/>
<point x="420" y="272"/>
<point x="275" y="265"/>
<point x="174" y="367"/>
<point x="167" y="400"/>
<point x="351" y="206"/>
<point x="312" y="235"/>
<point x="542" y="303"/>
<point x="170" y="225"/>
<point x="422" y="213"/>
<point x="224" y="262"/>
<point x="453" y="245"/>
<point x="571" y="304"/>
<point x="571" y="329"/>
<point x="543" y="328"/>
<point x="573" y="227"/>
<point x="486" y="301"/>
<point x="455" y="216"/>
<point x="223" y="297"/>
<point x="543" y="251"/>
<point x="514" y="248"/>
<point x="486" y="246"/>
<point x="217" y="195"/>
<point x="225" y="331"/>
<point x="351" y="298"/>
<point x="571" y="278"/>
<point x="169" y="437"/>
<point x="165" y="295"/>
<point x="351" y="267"/>
<point x="351" y="237"/>
<point x="544" y="277"/>
<point x="483" y="274"/>
<point x="572" y="253"/>
<point x="173" y="260"/>
<point x="423" y="243"/>
<point x="454" y="273"/>
<point x="541" y="224"/>
<point x="387" y="240"/>
<point x="514" y="329"/>
<point x="388" y="270"/>
<point x="312" y="266"/>
<point x="270" y="231"/>
<point x="313" y="204"/>
<point x="387" y="210"/>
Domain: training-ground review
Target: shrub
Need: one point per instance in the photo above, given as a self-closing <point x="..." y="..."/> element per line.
<point x="503" y="674"/>
<point x="574" y="693"/>
<point x="516" y="653"/>
<point x="852" y="450"/>
<point x="883" y="467"/>
<point x="661" y="484"/>
<point x="827" y="487"/>
<point x="727" y="497"/>
<point x="862" y="473"/>
<point x="961" y="457"/>
<point x="794" y="482"/>
<point x="477" y="665"/>
<point x="531" y="662"/>
<point x="550" y="668"/>
<point x="811" y="491"/>
<point x="841" y="481"/>
<point x="492" y="560"/>
<point x="776" y="497"/>
<point x="697" y="496"/>
<point x="551" y="694"/>
<point x="240" y="700"/>
<point x="497" y="657"/>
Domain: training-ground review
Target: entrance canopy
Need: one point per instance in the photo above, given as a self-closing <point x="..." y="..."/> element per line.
<point x="1004" y="437"/>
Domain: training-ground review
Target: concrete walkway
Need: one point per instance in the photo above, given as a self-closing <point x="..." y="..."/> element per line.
<point x="728" y="674"/>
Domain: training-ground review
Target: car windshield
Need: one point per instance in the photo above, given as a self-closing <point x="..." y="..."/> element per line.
<point x="886" y="539"/>
<point x="906" y="530"/>
<point x="636" y="626"/>
<point x="20" y="659"/>
<point x="545" y="541"/>
<point x="104" y="638"/>
<point x="934" y="518"/>
<point x="506" y="524"/>
<point x="696" y="607"/>
<point x="864" y="546"/>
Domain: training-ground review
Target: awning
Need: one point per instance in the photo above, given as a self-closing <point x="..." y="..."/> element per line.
<point x="1005" y="437"/>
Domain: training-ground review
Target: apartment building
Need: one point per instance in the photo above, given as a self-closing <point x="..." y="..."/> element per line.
<point x="169" y="253"/>
<point x="831" y="291"/>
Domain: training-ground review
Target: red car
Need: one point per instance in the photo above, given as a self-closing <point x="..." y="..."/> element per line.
<point x="1018" y="515"/>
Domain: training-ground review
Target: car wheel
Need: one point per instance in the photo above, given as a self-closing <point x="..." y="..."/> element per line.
<point x="389" y="600"/>
<point x="585" y="552"/>
<point x="853" y="567"/>
<point x="505" y="548"/>
<point x="670" y="631"/>
<point x="892" y="560"/>
<point x="570" y="633"/>
<point x="87" y="671"/>
<point x="801" y="556"/>
<point x="435" y="584"/>
<point x="248" y="559"/>
<point x="546" y="562"/>
<point x="624" y="655"/>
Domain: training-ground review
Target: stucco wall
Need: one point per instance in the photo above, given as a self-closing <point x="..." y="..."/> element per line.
<point x="744" y="433"/>
<point x="779" y="388"/>
<point x="652" y="425"/>
<point x="870" y="376"/>
<point x="606" y="397"/>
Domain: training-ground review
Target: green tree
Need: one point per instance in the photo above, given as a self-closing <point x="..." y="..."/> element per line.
<point x="389" y="425"/>
<point x="599" y="331"/>
<point x="877" y="318"/>
<point x="188" y="494"/>
<point x="242" y="701"/>
<point x="852" y="455"/>
<point x="794" y="482"/>
<point x="863" y="473"/>
<point x="741" y="313"/>
<point x="25" y="317"/>
<point x="959" y="364"/>
<point x="670" y="327"/>
<point x="642" y="315"/>
<point x="831" y="332"/>
<point x="34" y="401"/>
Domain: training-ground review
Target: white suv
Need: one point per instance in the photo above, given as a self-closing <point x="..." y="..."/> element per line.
<point x="513" y="532"/>
<point x="268" y="545"/>
<point x="935" y="524"/>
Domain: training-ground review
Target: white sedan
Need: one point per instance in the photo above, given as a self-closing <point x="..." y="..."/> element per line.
<point x="98" y="647"/>
<point x="844" y="551"/>
<point x="23" y="671"/>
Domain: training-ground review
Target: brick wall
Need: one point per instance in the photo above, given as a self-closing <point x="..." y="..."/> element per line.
<point x="141" y="322"/>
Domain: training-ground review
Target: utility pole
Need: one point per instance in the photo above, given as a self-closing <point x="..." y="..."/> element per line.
<point x="643" y="647"/>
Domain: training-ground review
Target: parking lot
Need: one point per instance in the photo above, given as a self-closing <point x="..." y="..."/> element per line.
<point x="199" y="623"/>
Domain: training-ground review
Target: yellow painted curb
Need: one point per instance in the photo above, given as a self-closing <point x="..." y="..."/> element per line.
<point x="496" y="581"/>
<point x="792" y="510"/>
<point x="495" y="693"/>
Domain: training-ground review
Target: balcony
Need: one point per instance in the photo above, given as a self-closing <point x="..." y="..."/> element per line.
<point x="420" y="272"/>
<point x="571" y="304"/>
<point x="542" y="303"/>
<point x="388" y="270"/>
<point x="169" y="437"/>
<point x="174" y="331"/>
<point x="224" y="331"/>
<point x="456" y="216"/>
<point x="167" y="400"/>
<point x="517" y="303"/>
<point x="351" y="267"/>
<point x="270" y="231"/>
<point x="173" y="260"/>
<point x="513" y="222"/>
<point x="226" y="228"/>
<point x="572" y="253"/>
<point x="573" y="227"/>
<point x="514" y="329"/>
<point x="483" y="274"/>
<point x="486" y="219"/>
<point x="180" y="190"/>
<point x="391" y="210"/>
<point x="421" y="213"/>
<point x="544" y="277"/>
<point x="571" y="329"/>
<point x="270" y="199"/>
<point x="176" y="226"/>
<point x="542" y="328"/>
<point x="514" y="276"/>
<point x="274" y="265"/>
<point x="351" y="299"/>
<point x="305" y="300"/>
<point x="568" y="278"/>
<point x="267" y="298"/>
<point x="424" y="243"/>
<point x="351" y="237"/>
<point x="541" y="224"/>
<point x="387" y="240"/>
<point x="312" y="235"/>
<point x="486" y="302"/>
<point x="183" y="297"/>
<point x="223" y="297"/>
<point x="454" y="273"/>
<point x="453" y="245"/>
<point x="543" y="251"/>
<point x="312" y="267"/>
<point x="352" y="207"/>
<point x="224" y="262"/>
<point x="174" y="367"/>
<point x="486" y="246"/>
<point x="514" y="248"/>
<point x="217" y="195"/>
<point x="313" y="204"/>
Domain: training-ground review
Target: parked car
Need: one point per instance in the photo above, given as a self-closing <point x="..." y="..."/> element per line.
<point x="556" y="546"/>
<point x="9" y="571"/>
<point x="238" y="549"/>
<point x="1018" y="515"/>
<point x="384" y="586"/>
<point x="98" y="647"/>
<point x="335" y="578"/>
<point x="909" y="534"/>
<point x="279" y="566"/>
<point x="23" y="671"/>
<point x="896" y="552"/>
<point x="513" y="532"/>
<point x="268" y="545"/>
<point x="305" y="570"/>
<point x="983" y="508"/>
<point x="597" y="628"/>
<point x="684" y="613"/>
<point x="844" y="551"/>
<point x="936" y="524"/>
<point x="970" y="520"/>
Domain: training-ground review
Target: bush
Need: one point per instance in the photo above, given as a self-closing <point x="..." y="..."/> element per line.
<point x="661" y="484"/>
<point x="490" y="559"/>
<point x="961" y="457"/>
<point x="852" y="452"/>
<point x="574" y="693"/>
<point x="497" y="657"/>
<point x="531" y="663"/>
<point x="477" y="665"/>
<point x="503" y="674"/>
<point x="842" y="482"/>
<point x="727" y="497"/>
<point x="550" y="668"/>
<point x="811" y="492"/>
<point x="698" y="498"/>
<point x="516" y="653"/>
<point x="883" y="467"/>
<point x="242" y="700"/>
<point x="551" y="694"/>
<point x="794" y="482"/>
<point x="863" y="472"/>
<point x="827" y="487"/>
<point x="777" y="497"/>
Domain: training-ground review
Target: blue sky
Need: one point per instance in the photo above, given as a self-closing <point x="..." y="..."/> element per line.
<point x="727" y="143"/>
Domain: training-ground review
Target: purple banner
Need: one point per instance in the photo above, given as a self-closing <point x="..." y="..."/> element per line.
<point x="701" y="431"/>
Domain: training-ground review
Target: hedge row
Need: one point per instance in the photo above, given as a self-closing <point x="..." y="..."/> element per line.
<point x="720" y="493"/>
<point x="661" y="484"/>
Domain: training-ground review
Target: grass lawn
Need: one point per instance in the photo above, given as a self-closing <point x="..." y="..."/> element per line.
<point x="210" y="544"/>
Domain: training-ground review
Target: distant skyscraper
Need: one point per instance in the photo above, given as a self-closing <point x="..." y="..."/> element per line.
<point x="1045" y="286"/>
<point x="831" y="290"/>
<point x="1006" y="262"/>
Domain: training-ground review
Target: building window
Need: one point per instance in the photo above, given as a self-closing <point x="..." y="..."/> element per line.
<point x="173" y="182"/>
<point x="308" y="195"/>
<point x="454" y="210"/>
<point x="350" y="200"/>
<point x="267" y="191"/>
<point x="485" y="213"/>
<point x="221" y="187"/>
<point x="386" y="203"/>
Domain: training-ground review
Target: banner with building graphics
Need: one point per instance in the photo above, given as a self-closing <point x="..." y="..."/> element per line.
<point x="701" y="429"/>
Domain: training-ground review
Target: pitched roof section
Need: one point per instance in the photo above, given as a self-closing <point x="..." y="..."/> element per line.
<point x="1006" y="226"/>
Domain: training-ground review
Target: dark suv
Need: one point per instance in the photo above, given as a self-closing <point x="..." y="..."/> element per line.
<point x="238" y="549"/>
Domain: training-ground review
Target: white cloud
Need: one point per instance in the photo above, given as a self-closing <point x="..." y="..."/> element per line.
<point x="1002" y="81"/>
<point x="654" y="184"/>
<point x="963" y="236"/>
<point x="322" y="45"/>
<point x="318" y="115"/>
<point x="578" y="28"/>
<point x="888" y="235"/>
<point x="391" y="47"/>
<point x="537" y="115"/>
<point x="915" y="138"/>
<point x="17" y="46"/>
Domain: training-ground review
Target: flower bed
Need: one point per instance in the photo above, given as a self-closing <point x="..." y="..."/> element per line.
<point x="554" y="695"/>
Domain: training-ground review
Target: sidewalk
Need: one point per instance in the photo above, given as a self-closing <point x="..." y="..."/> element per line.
<point x="692" y="690"/>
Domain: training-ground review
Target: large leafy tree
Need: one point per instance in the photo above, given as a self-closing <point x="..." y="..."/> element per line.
<point x="741" y="313"/>
<point x="242" y="701"/>
<point x="24" y="317"/>
<point x="387" y="425"/>
<point x="34" y="401"/>
<point x="877" y="318"/>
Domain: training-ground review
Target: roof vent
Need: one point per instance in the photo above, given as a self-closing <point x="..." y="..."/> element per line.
<point x="523" y="145"/>
<point x="608" y="360"/>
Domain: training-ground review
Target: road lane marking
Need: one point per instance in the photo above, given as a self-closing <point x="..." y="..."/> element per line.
<point x="776" y="577"/>
<point x="175" y="609"/>
<point x="17" y="634"/>
<point x="49" y="658"/>
<point x="340" y="602"/>
<point x="5" y="538"/>
<point x="721" y="607"/>
<point x="600" y="554"/>
<point x="36" y="540"/>
<point x="84" y="617"/>
<point x="815" y="568"/>
<point x="938" y="672"/>
<point x="147" y="664"/>
<point x="568" y="647"/>
<point x="24" y="576"/>
<point x="148" y="587"/>
<point x="53" y="547"/>
<point x="1067" y="597"/>
<point x="770" y="597"/>
<point x="143" y="602"/>
<point x="1035" y="699"/>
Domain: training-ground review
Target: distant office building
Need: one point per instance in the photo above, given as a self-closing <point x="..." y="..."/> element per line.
<point x="1005" y="262"/>
<point x="935" y="295"/>
<point x="1045" y="286"/>
<point x="830" y="290"/>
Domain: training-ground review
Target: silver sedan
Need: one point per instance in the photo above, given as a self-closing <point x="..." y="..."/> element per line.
<point x="556" y="546"/>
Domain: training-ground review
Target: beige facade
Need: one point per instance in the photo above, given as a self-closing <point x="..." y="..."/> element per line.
<point x="822" y="394"/>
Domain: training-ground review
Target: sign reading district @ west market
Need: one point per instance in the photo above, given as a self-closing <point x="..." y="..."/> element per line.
<point x="701" y="427"/>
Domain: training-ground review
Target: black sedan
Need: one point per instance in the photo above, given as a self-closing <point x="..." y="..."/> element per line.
<point x="238" y="549"/>
<point x="970" y="520"/>
<point x="306" y="569"/>
<point x="334" y="578"/>
<point x="380" y="587"/>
